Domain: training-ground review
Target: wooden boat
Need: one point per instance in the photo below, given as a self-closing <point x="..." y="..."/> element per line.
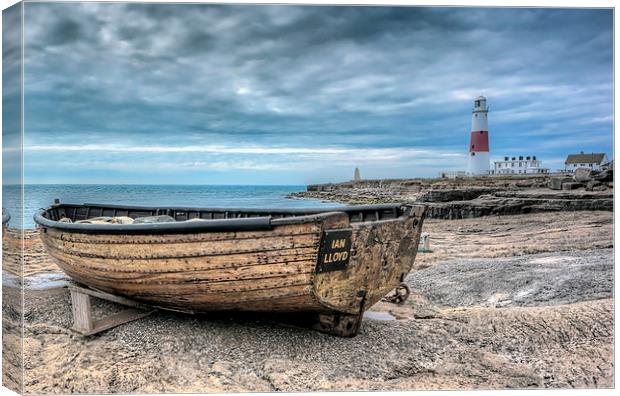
<point x="334" y="263"/>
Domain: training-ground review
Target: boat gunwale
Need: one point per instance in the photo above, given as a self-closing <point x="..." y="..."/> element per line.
<point x="262" y="223"/>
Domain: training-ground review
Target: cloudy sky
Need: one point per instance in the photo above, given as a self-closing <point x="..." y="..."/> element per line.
<point x="155" y="93"/>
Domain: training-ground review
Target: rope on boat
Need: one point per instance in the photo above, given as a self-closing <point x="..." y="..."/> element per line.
<point x="399" y="295"/>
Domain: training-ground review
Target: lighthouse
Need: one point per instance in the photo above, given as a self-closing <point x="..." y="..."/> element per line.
<point x="479" y="162"/>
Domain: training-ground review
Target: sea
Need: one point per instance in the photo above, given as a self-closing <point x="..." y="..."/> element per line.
<point x="38" y="196"/>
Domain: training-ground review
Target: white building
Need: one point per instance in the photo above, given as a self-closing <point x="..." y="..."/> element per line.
<point x="518" y="165"/>
<point x="479" y="161"/>
<point x="592" y="161"/>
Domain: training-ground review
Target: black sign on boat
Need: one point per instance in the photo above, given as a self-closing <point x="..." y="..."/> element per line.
<point x="335" y="250"/>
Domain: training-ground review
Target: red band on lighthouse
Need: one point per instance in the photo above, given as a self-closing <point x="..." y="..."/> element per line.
<point x="479" y="141"/>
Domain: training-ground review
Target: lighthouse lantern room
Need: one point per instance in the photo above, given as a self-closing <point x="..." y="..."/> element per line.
<point x="479" y="161"/>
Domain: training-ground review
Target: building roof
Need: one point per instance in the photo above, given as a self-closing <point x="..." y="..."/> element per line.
<point x="591" y="158"/>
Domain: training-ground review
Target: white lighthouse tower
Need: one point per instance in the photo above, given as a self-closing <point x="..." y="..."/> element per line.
<point x="479" y="161"/>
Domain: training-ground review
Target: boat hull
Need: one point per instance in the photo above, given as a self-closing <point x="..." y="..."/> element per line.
<point x="264" y="270"/>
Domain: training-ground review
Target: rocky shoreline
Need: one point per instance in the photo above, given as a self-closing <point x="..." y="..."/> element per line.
<point x="477" y="197"/>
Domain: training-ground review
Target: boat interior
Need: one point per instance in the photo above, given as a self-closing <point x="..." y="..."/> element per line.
<point x="79" y="212"/>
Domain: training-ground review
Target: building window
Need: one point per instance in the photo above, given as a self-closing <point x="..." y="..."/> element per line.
<point x="477" y="104"/>
<point x="520" y="165"/>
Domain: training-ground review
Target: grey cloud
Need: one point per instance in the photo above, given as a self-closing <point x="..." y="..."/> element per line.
<point x="361" y="75"/>
<point x="64" y="31"/>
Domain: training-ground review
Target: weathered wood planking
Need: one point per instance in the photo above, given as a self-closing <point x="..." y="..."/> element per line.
<point x="201" y="272"/>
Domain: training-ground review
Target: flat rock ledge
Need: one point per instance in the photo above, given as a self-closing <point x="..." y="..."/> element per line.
<point x="471" y="202"/>
<point x="519" y="202"/>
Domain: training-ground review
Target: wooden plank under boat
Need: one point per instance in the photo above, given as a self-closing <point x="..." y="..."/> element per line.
<point x="334" y="263"/>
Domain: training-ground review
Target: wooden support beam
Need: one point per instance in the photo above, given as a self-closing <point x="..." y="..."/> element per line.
<point x="82" y="317"/>
<point x="106" y="296"/>
<point x="125" y="316"/>
<point x="83" y="321"/>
